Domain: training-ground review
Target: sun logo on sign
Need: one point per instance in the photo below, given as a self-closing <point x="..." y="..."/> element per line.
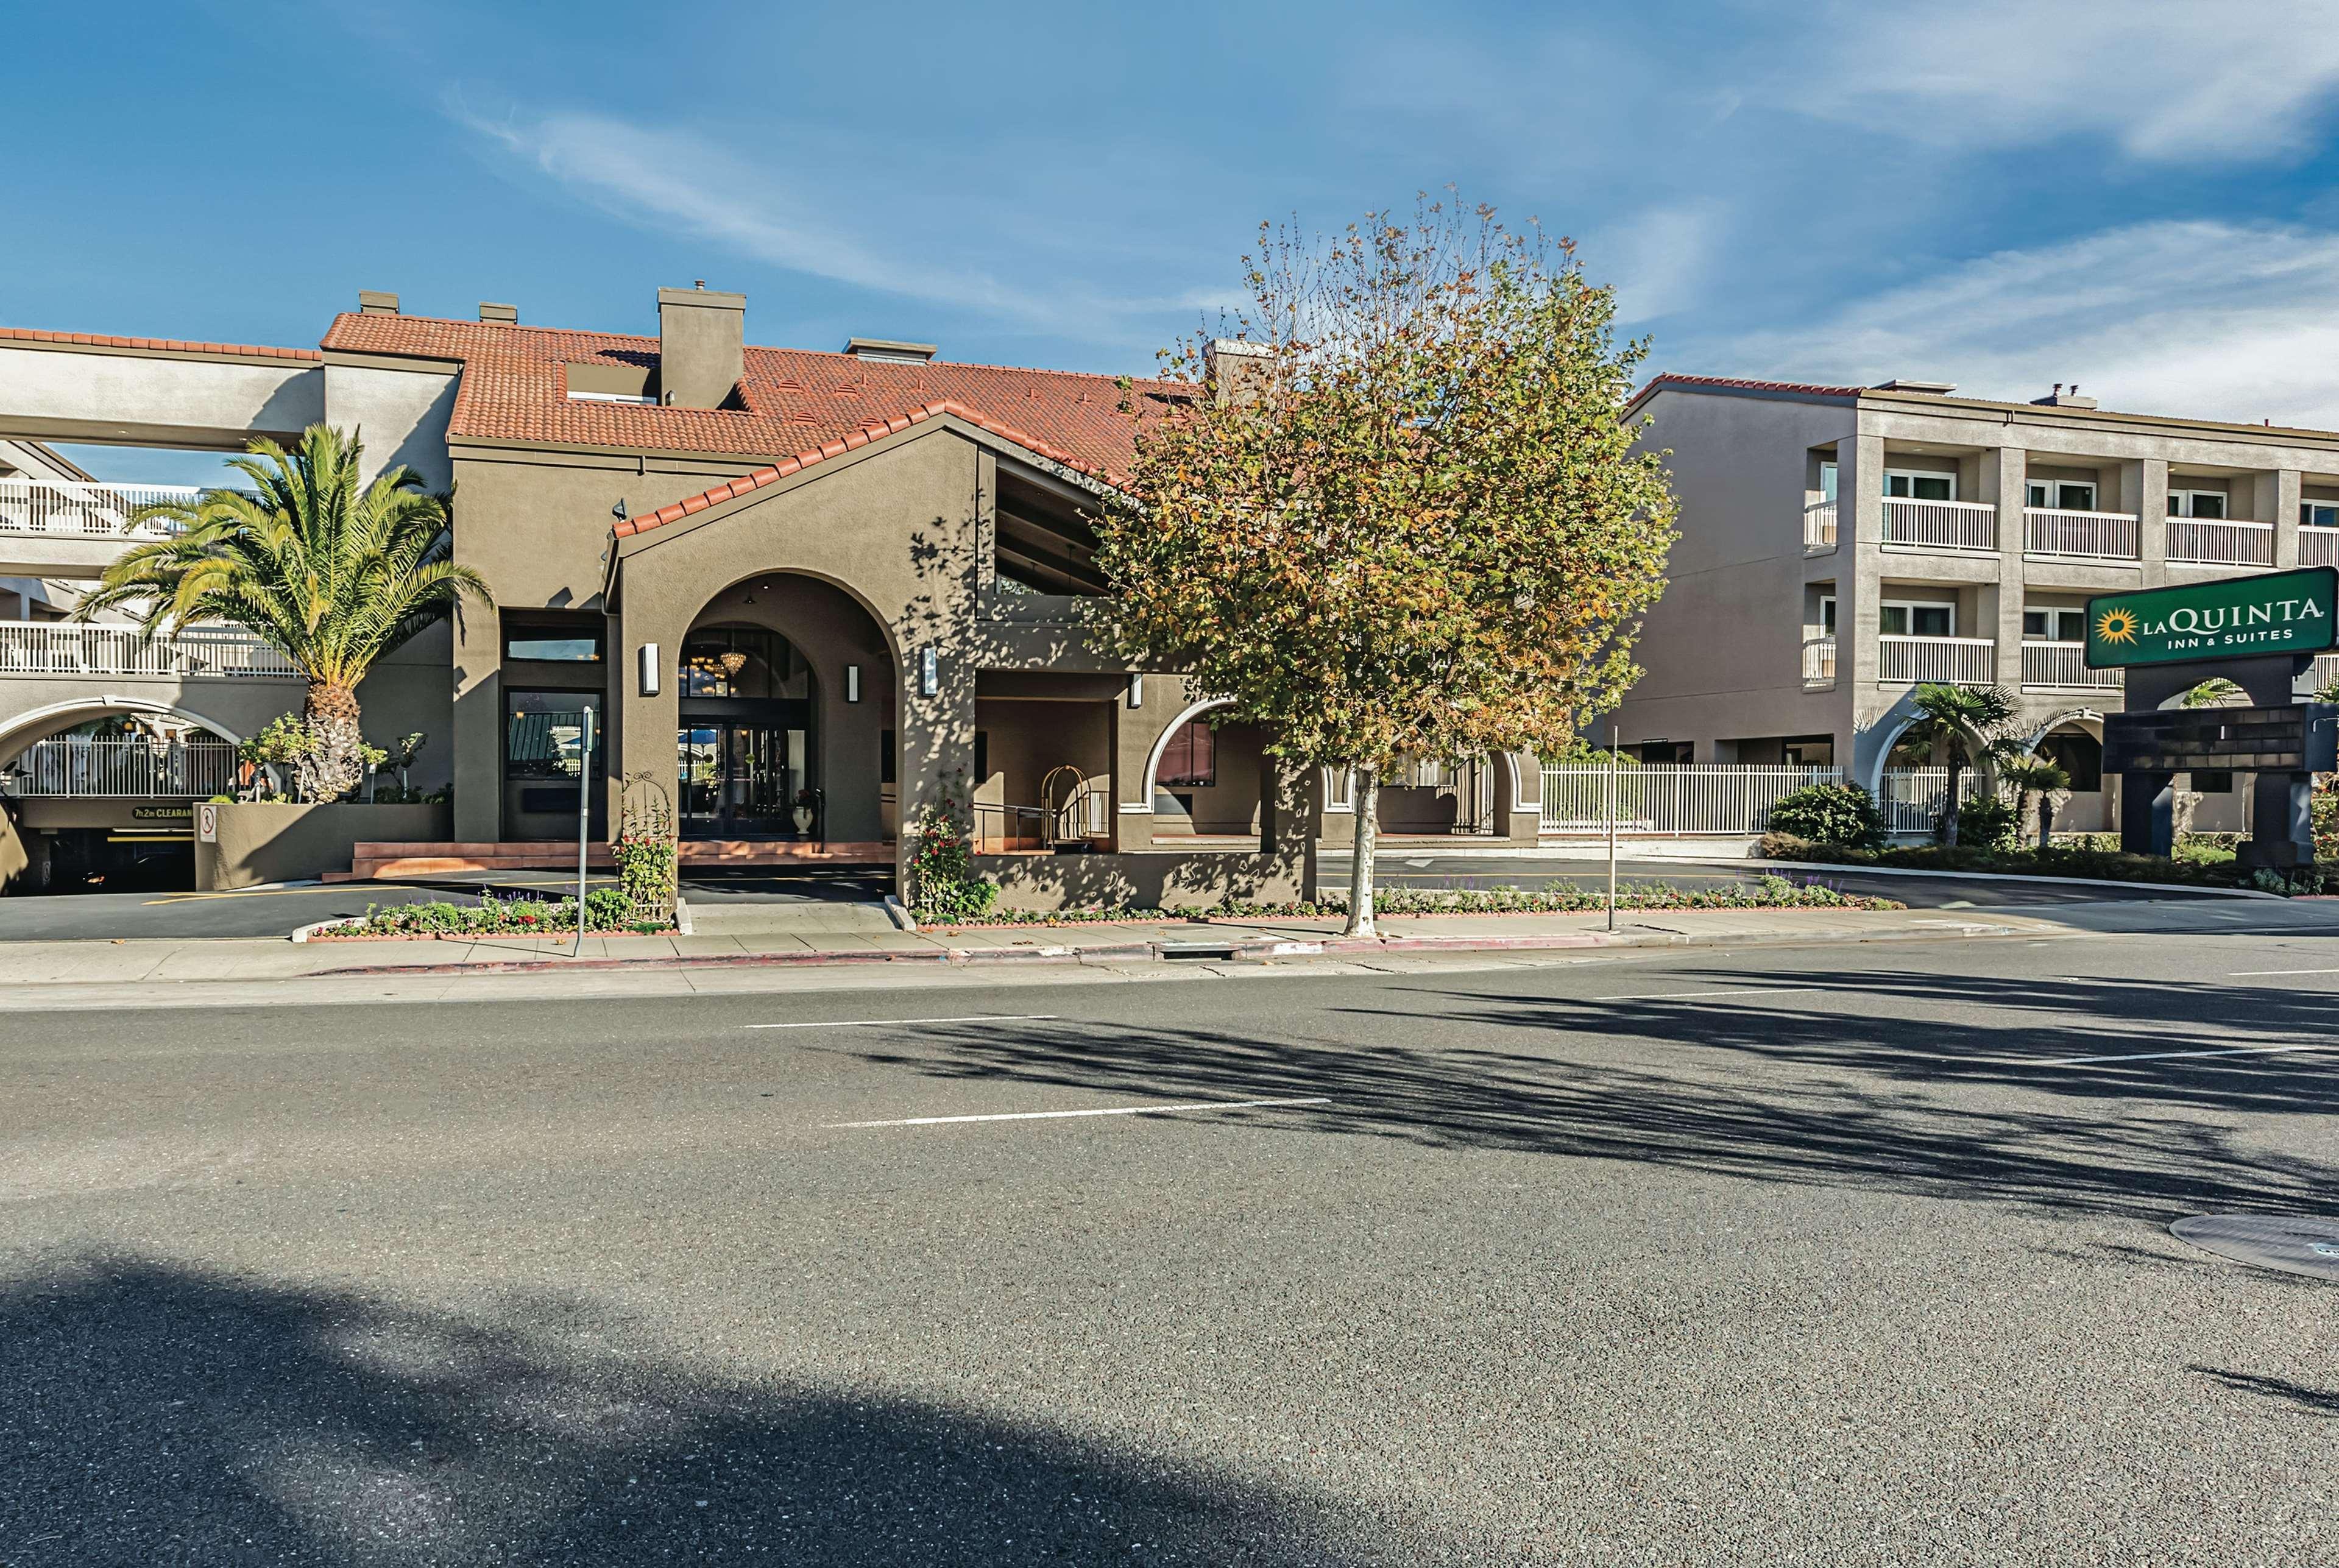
<point x="2117" y="625"/>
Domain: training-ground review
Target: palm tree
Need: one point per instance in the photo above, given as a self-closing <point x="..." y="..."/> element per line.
<point x="2036" y="776"/>
<point x="1954" y="717"/>
<point x="329" y="572"/>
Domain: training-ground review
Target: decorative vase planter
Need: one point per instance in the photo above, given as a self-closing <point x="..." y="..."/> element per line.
<point x="804" y="819"/>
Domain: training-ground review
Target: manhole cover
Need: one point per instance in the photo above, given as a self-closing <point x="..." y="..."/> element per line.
<point x="2271" y="1241"/>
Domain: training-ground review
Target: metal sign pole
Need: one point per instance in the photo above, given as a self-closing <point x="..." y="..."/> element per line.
<point x="584" y="821"/>
<point x="1612" y="827"/>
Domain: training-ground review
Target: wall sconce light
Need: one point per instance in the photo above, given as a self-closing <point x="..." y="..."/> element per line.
<point x="852" y="683"/>
<point x="930" y="673"/>
<point x="1137" y="691"/>
<point x="648" y="661"/>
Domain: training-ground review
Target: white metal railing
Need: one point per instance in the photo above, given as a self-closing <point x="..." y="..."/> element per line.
<point x="2089" y="536"/>
<point x="2324" y="670"/>
<point x="1912" y="799"/>
<point x="1819" y="528"/>
<point x="2318" y="546"/>
<point x="1672" y="800"/>
<point x="1941" y="525"/>
<point x="1951" y="661"/>
<point x="2063" y="667"/>
<point x="2224" y="543"/>
<point x="1819" y="661"/>
<point x="106" y="767"/>
<point x="83" y="510"/>
<point x="67" y="649"/>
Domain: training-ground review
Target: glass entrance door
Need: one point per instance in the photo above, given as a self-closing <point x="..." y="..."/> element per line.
<point x="739" y="780"/>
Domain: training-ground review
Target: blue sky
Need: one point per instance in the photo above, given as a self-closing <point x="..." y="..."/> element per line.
<point x="2139" y="196"/>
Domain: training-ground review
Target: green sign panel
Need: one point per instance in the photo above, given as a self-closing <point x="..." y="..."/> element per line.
<point x="2232" y="618"/>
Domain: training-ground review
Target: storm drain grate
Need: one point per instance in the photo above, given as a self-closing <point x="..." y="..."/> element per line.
<point x="2294" y="1246"/>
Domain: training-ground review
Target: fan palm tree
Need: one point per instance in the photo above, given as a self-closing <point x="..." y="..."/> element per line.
<point x="2038" y="776"/>
<point x="329" y="573"/>
<point x="1957" y="717"/>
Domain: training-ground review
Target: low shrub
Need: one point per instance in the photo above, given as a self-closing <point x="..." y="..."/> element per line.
<point x="1829" y="813"/>
<point x="1768" y="891"/>
<point x="1985" y="822"/>
<point x="2090" y="865"/>
<point x="607" y="910"/>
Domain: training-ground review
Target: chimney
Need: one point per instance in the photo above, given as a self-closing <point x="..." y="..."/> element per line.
<point x="508" y="315"/>
<point x="1234" y="368"/>
<point x="2061" y="399"/>
<point x="890" y="350"/>
<point x="374" y="302"/>
<point x="701" y="338"/>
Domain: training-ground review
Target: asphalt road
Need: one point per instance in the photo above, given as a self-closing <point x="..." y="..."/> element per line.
<point x="244" y="912"/>
<point x="1461" y="871"/>
<point x="1819" y="1256"/>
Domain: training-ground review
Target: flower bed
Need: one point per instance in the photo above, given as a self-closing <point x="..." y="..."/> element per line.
<point x="1771" y="892"/>
<point x="609" y="912"/>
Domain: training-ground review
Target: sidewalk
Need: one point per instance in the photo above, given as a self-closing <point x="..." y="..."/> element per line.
<point x="738" y="940"/>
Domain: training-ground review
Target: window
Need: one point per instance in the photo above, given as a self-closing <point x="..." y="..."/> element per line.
<point x="1827" y="481"/>
<point x="1904" y="619"/>
<point x="2080" y="755"/>
<point x="2196" y="503"/>
<point x="1678" y="753"/>
<point x="737" y="662"/>
<point x="1827" y="614"/>
<point x="554" y="645"/>
<point x="544" y="732"/>
<point x="1191" y="760"/>
<point x="2055" y="625"/>
<point x="1808" y="751"/>
<point x="1916" y="487"/>
<point x="2059" y="495"/>
<point x="2318" y="514"/>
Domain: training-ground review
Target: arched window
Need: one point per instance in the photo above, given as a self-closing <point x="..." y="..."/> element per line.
<point x="1191" y="760"/>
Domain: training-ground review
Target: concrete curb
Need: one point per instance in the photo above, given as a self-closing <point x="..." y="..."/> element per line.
<point x="1157" y="952"/>
<point x="2182" y="887"/>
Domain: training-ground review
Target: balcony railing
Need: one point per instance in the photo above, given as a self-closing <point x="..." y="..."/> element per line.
<point x="1670" y="800"/>
<point x="1939" y="525"/>
<point x="1948" y="661"/>
<point x="1819" y="663"/>
<point x="1819" y="528"/>
<point x="2318" y="546"/>
<point x="2084" y="535"/>
<point x="2324" y="671"/>
<point x="2063" y="666"/>
<point x="75" y="509"/>
<point x="63" y="648"/>
<point x="2198" y="541"/>
<point x="110" y="767"/>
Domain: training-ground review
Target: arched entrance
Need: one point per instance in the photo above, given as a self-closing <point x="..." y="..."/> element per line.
<point x="784" y="716"/>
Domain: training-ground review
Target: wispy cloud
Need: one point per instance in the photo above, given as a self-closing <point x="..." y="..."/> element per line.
<point x="1659" y="260"/>
<point x="679" y="181"/>
<point x="2211" y="320"/>
<point x="2175" y="81"/>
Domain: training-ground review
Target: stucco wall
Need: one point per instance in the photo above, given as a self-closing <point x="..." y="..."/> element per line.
<point x="268" y="842"/>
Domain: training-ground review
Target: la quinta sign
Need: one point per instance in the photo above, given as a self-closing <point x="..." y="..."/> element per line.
<point x="2231" y="618"/>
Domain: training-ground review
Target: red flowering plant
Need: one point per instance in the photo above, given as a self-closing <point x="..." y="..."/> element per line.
<point x="943" y="886"/>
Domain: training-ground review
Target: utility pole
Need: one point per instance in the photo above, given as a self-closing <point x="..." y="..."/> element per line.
<point x="584" y="821"/>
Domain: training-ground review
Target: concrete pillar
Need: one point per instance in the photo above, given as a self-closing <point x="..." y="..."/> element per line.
<point x="479" y="738"/>
<point x="935" y="733"/>
<point x="1859" y="520"/>
<point x="2280" y="490"/>
<point x="2002" y="472"/>
<point x="2144" y="490"/>
<point x="642" y="728"/>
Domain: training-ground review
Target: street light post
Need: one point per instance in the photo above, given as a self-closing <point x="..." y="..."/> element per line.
<point x="1612" y="827"/>
<point x="584" y="821"/>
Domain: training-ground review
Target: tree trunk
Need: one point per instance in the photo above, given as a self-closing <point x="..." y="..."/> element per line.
<point x="2046" y="817"/>
<point x="1948" y="823"/>
<point x="1367" y="804"/>
<point x="335" y="766"/>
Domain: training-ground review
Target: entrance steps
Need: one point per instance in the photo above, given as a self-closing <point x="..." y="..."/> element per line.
<point x="390" y="860"/>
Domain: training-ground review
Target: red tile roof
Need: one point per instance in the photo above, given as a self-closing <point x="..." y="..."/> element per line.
<point x="811" y="405"/>
<point x="1790" y="389"/>
<point x="167" y="345"/>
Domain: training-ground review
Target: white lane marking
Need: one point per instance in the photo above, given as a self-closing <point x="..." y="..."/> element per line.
<point x="2175" y="1055"/>
<point x="881" y="1022"/>
<point x="2238" y="973"/>
<point x="1694" y="995"/>
<point x="1109" y="1110"/>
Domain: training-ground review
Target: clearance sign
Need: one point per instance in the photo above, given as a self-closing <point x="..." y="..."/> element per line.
<point x="2232" y="618"/>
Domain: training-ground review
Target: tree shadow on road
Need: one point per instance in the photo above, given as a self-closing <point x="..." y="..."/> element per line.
<point x="1953" y="1102"/>
<point x="155" y="1416"/>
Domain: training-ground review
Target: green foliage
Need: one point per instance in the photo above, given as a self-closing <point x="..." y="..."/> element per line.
<point x="2216" y="692"/>
<point x="1973" y="723"/>
<point x="606" y="909"/>
<point x="1829" y="813"/>
<point x="2323" y="810"/>
<point x="943" y="886"/>
<point x="647" y="857"/>
<point x="1985" y="822"/>
<point x="2062" y="860"/>
<point x="329" y="573"/>
<point x="285" y="741"/>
